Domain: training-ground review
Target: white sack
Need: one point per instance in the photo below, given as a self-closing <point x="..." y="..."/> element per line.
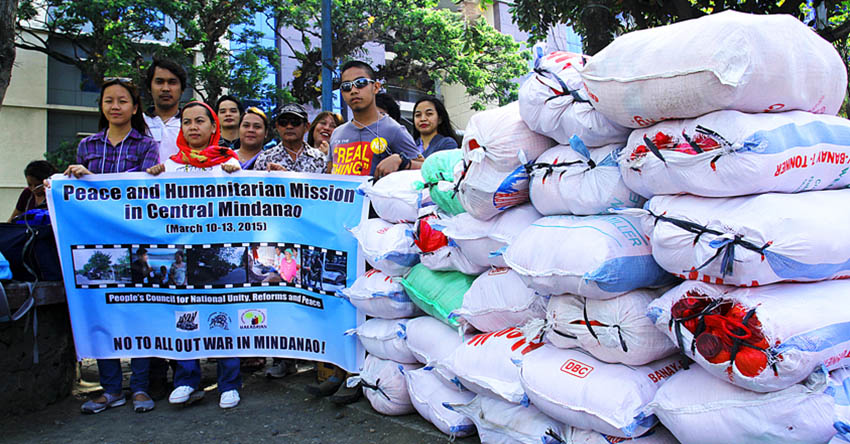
<point x="431" y="340"/>
<point x="481" y="242"/>
<point x="598" y="257"/>
<point x="612" y="330"/>
<point x="793" y="329"/>
<point x="570" y="179"/>
<point x="552" y="101"/>
<point x="385" y="338"/>
<point x="575" y="388"/>
<point x="428" y="393"/>
<point x="730" y="60"/>
<point x="500" y="422"/>
<point x="384" y="385"/>
<point x="658" y="435"/>
<point x="751" y="240"/>
<point x="701" y="409"/>
<point x="499" y="299"/>
<point x="380" y="296"/>
<point x="486" y="363"/>
<point x="740" y="154"/>
<point x="496" y="146"/>
<point x="395" y="196"/>
<point x="387" y="247"/>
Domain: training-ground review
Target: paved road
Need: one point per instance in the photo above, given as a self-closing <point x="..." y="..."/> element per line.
<point x="271" y="411"/>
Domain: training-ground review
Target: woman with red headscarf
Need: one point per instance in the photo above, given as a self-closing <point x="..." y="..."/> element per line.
<point x="199" y="151"/>
<point x="198" y="144"/>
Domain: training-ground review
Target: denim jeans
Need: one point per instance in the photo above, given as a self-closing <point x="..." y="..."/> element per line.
<point x="189" y="373"/>
<point x="110" y="374"/>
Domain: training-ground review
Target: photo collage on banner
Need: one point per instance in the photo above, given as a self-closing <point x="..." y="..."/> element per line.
<point x="237" y="265"/>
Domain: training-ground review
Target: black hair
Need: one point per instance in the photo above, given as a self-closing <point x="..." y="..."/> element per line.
<point x="388" y="104"/>
<point x="358" y="64"/>
<point x="170" y="65"/>
<point x="232" y="99"/>
<point x="262" y="115"/>
<point x="40" y="169"/>
<point x="444" y="128"/>
<point x="337" y="120"/>
<point x="137" y="121"/>
<point x="196" y="104"/>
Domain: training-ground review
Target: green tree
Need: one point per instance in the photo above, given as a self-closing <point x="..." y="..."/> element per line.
<point x="8" y="12"/>
<point x="98" y="264"/>
<point x="103" y="35"/>
<point x="428" y="44"/>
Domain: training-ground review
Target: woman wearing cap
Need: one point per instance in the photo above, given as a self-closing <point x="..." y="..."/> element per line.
<point x="292" y="153"/>
<point x="253" y="129"/>
<point x="199" y="151"/>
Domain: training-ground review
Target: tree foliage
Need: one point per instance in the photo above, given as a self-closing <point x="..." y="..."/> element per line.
<point x="428" y="44"/>
<point x="597" y="21"/>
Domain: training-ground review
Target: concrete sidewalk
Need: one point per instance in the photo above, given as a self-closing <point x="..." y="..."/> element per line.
<point x="271" y="411"/>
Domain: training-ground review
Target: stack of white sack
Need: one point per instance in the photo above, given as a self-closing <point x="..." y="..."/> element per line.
<point x="480" y="243"/>
<point x="598" y="257"/>
<point x="496" y="146"/>
<point x="574" y="180"/>
<point x="552" y="102"/>
<point x="388" y="247"/>
<point x="380" y="296"/>
<point x="499" y="299"/>
<point x="385" y="338"/>
<point x="612" y="330"/>
<point x="701" y="409"/>
<point x="730" y="153"/>
<point x="395" y="197"/>
<point x="428" y="393"/>
<point x="751" y="240"/>
<point x="384" y="385"/>
<point x="501" y="422"/>
<point x="762" y="338"/>
<point x="430" y="341"/>
<point x="727" y="60"/>
<point x="576" y="389"/>
<point x="487" y="364"/>
<point x="438" y="252"/>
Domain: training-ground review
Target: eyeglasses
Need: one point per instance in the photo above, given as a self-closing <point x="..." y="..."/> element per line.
<point x="118" y="79"/>
<point x="294" y="121"/>
<point x="360" y="83"/>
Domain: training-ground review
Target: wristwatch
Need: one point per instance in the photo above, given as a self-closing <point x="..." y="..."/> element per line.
<point x="405" y="163"/>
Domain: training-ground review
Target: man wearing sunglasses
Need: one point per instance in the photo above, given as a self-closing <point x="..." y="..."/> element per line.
<point x="292" y="153"/>
<point x="371" y="144"/>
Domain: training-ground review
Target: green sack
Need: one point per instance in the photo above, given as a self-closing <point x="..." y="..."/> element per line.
<point x="437" y="293"/>
<point x="438" y="172"/>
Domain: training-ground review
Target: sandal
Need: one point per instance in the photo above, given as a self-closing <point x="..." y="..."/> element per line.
<point x="91" y="406"/>
<point x="142" y="406"/>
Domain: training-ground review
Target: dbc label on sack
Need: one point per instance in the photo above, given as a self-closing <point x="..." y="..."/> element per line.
<point x="576" y="368"/>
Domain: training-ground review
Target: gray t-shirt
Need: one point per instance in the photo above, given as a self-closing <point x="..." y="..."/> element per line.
<point x="357" y="151"/>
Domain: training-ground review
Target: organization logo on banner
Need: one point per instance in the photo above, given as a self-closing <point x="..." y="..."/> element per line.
<point x="253" y="318"/>
<point x="219" y="319"/>
<point x="186" y="320"/>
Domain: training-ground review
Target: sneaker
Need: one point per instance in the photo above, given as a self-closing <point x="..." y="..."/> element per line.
<point x="91" y="406"/>
<point x="185" y="394"/>
<point x="281" y="370"/>
<point x="325" y="388"/>
<point x="229" y="399"/>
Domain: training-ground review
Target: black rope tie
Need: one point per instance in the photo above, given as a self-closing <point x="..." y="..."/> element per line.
<point x="708" y="132"/>
<point x="622" y="341"/>
<point x="565" y="90"/>
<point x="375" y="387"/>
<point x="727" y="250"/>
<point x="550" y="168"/>
<point x="587" y="323"/>
<point x="466" y="167"/>
<point x="653" y="148"/>
<point x="551" y="433"/>
<point x="693" y="144"/>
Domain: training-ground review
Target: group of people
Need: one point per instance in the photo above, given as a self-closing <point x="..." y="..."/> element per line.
<point x="198" y="137"/>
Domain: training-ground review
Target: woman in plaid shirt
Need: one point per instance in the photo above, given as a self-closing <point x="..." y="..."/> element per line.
<point x="120" y="145"/>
